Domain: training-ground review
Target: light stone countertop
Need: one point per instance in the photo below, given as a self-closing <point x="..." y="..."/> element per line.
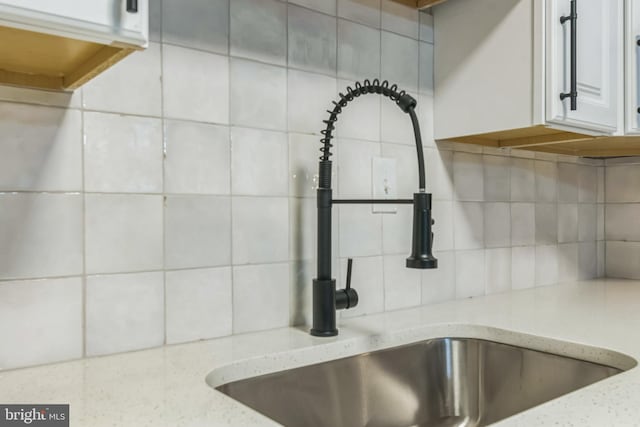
<point x="172" y="386"/>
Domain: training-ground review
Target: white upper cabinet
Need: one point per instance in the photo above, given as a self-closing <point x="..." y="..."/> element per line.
<point x="100" y="21"/>
<point x="632" y="66"/>
<point x="62" y="44"/>
<point x="584" y="55"/>
<point x="502" y="65"/>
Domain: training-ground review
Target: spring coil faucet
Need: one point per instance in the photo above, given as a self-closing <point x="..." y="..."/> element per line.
<point x="326" y="299"/>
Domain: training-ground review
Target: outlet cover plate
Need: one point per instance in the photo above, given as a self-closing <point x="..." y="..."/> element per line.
<point x="384" y="183"/>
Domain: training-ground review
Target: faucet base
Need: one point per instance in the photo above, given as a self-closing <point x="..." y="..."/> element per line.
<point x="324" y="334"/>
<point x="324" y="308"/>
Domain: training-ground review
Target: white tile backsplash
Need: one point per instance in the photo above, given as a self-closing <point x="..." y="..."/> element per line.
<point x="402" y="286"/>
<point x="258" y="30"/>
<point x="497" y="270"/>
<point x="195" y="85"/>
<point x="309" y="96"/>
<point x="468" y="176"/>
<point x="567" y="183"/>
<point x="523" y="180"/>
<point x="546" y="181"/>
<point x="368" y="273"/>
<point x="197" y="158"/>
<point x="199" y="304"/>
<point x="41" y="148"/>
<point x="111" y="90"/>
<point x="259" y="162"/>
<point x="122" y="154"/>
<point x="260" y="230"/>
<point x="312" y="40"/>
<point x="198" y="24"/>
<point x="468" y="225"/>
<point x="358" y="51"/>
<point x="567" y="262"/>
<point x="470" y="280"/>
<point x="123" y="233"/>
<point x="177" y="205"/>
<point x="325" y="6"/>
<point x="523" y="224"/>
<point x="363" y="11"/>
<point x="360" y="231"/>
<point x="617" y="222"/>
<point x="523" y="267"/>
<point x="258" y="95"/>
<point x="439" y="284"/>
<point x="497" y="178"/>
<point x="396" y="50"/>
<point x="124" y="312"/>
<point x="355" y="167"/>
<point x="197" y="231"/>
<point x="547" y="265"/>
<point x="262" y="289"/>
<point x="623" y="259"/>
<point x="567" y="223"/>
<point x="40" y="321"/>
<point x="41" y="236"/>
<point x="546" y="223"/>
<point x="497" y="225"/>
<point x="400" y="18"/>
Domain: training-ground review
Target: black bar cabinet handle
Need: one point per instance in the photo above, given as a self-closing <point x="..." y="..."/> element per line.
<point x="132" y="6"/>
<point x="638" y="71"/>
<point x="573" y="17"/>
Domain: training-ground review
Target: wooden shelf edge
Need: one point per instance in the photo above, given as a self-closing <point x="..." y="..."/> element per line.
<point x="104" y="59"/>
<point x="30" y="80"/>
<point x="420" y="4"/>
<point x="423" y="4"/>
<point x="541" y="138"/>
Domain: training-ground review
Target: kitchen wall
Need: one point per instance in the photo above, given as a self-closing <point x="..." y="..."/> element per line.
<point x="622" y="213"/>
<point x="172" y="198"/>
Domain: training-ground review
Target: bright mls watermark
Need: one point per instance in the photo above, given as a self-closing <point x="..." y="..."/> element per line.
<point x="34" y="415"/>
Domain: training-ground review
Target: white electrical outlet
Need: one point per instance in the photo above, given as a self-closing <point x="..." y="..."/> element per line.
<point x="384" y="183"/>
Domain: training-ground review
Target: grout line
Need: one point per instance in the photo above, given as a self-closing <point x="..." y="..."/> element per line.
<point x="164" y="193"/>
<point x="231" y="199"/>
<point x="84" y="230"/>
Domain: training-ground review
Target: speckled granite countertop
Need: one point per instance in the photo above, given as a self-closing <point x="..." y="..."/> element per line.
<point x="172" y="386"/>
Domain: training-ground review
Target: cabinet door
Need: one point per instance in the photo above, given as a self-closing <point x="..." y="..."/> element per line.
<point x="632" y="66"/>
<point x="101" y="21"/>
<point x="598" y="65"/>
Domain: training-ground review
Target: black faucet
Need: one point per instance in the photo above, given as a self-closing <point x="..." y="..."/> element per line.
<point x="326" y="299"/>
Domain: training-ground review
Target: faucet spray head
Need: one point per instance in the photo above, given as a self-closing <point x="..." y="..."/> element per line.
<point x="421" y="256"/>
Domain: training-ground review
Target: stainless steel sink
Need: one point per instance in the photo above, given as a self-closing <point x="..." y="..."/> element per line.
<point x="439" y="382"/>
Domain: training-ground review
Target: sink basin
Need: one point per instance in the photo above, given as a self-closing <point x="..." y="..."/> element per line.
<point x="438" y="382"/>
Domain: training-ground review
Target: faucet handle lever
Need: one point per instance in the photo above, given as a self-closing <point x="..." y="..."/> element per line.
<point x="347" y="297"/>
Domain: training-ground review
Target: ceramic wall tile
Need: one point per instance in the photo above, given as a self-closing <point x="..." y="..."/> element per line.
<point x="124" y="312"/>
<point x="122" y="154"/>
<point x="260" y="289"/>
<point x="195" y="85"/>
<point x="199" y="24"/>
<point x="41" y="148"/>
<point x="41" y="235"/>
<point x="197" y="158"/>
<point x="197" y="231"/>
<point x="199" y="304"/>
<point x="123" y="233"/>
<point x="258" y="95"/>
<point x="366" y="12"/>
<point x="258" y="30"/>
<point x="40" y="321"/>
<point x="312" y="40"/>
